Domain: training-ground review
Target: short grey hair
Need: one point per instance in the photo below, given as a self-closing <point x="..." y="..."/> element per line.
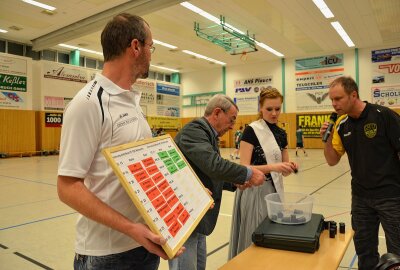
<point x="219" y="101"/>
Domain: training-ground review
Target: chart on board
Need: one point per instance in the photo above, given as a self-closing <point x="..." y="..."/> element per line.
<point x="163" y="187"/>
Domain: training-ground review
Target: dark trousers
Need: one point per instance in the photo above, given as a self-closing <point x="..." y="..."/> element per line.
<point x="138" y="258"/>
<point x="367" y="214"/>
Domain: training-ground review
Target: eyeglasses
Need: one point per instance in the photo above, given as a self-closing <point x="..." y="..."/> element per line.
<point x="232" y="119"/>
<point x="151" y="47"/>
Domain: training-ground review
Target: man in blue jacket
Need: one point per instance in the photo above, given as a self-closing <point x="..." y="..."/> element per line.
<point x="198" y="141"/>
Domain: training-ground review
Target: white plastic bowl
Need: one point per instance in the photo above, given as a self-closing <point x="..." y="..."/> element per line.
<point x="293" y="208"/>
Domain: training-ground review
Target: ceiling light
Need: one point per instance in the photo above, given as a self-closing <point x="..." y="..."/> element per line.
<point x="324" y="8"/>
<point x="342" y="33"/>
<point x="81" y="49"/>
<point x="204" y="57"/>
<point x="3" y="31"/>
<point x="217" y="21"/>
<point x="169" y="69"/>
<point x="38" y="4"/>
<point x="200" y="12"/>
<point x="164" y="44"/>
<point x="268" y="48"/>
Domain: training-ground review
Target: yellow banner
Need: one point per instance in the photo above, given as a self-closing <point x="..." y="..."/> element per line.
<point x="164" y="122"/>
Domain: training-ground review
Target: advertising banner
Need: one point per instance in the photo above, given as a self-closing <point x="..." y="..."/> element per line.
<point x="385" y="66"/>
<point x="55" y="103"/>
<point x="148" y="89"/>
<point x="247" y="104"/>
<point x="247" y="92"/>
<point x="313" y="80"/>
<point x="164" y="122"/>
<point x="53" y="119"/>
<point x="319" y="62"/>
<point x="13" y="66"/>
<point x="311" y="124"/>
<point x="65" y="73"/>
<point x="317" y="79"/>
<point x="11" y="100"/>
<point x="12" y="83"/>
<point x="168" y="111"/>
<point x="167" y="89"/>
<point x="388" y="96"/>
<point x="313" y="100"/>
<point x="252" y="86"/>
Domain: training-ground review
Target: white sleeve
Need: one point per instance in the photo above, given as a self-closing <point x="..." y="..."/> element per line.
<point x="80" y="136"/>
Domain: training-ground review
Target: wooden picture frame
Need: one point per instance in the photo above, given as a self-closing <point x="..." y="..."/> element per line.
<point x="163" y="187"/>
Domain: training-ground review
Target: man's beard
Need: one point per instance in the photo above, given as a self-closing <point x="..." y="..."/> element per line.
<point x="146" y="73"/>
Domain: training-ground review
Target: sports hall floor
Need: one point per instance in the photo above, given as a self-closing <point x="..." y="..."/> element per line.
<point x="37" y="230"/>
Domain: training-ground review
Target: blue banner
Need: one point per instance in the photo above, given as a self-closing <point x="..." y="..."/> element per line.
<point x="167" y="89"/>
<point x="384" y="55"/>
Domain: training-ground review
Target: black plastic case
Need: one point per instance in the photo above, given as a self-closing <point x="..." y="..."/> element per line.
<point x="302" y="237"/>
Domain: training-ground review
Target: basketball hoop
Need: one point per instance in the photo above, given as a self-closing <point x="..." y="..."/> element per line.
<point x="243" y="57"/>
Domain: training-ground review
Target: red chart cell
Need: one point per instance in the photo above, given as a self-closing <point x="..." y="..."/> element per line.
<point x="140" y="176"/>
<point x="163" y="186"/>
<point x="146" y="184"/>
<point x="158" y="202"/>
<point x="148" y="161"/>
<point x="163" y="210"/>
<point x="168" y="192"/>
<point x="172" y="201"/>
<point x="179" y="208"/>
<point x="174" y="229"/>
<point x="134" y="168"/>
<point x="152" y="170"/>
<point x="183" y="217"/>
<point x="153" y="193"/>
<point x="171" y="218"/>
<point x="158" y="177"/>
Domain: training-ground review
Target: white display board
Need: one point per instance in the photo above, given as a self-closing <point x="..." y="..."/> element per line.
<point x="163" y="187"/>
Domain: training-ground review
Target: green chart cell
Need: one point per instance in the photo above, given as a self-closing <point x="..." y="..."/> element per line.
<point x="168" y="162"/>
<point x="175" y="158"/>
<point x="163" y="154"/>
<point x="172" y="152"/>
<point x="181" y="164"/>
<point x="172" y="169"/>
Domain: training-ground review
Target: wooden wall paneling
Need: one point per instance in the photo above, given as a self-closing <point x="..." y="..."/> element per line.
<point x="18" y="135"/>
<point x="49" y="136"/>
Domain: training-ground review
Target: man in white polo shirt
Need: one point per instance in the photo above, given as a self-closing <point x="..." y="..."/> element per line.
<point x="110" y="232"/>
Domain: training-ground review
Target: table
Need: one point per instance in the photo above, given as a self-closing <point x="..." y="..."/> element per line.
<point x="329" y="256"/>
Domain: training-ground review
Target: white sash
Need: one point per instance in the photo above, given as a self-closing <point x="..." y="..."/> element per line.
<point x="272" y="151"/>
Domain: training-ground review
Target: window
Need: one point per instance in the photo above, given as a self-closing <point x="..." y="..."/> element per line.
<point x="90" y="63"/>
<point x="63" y="58"/>
<point x="167" y="78"/>
<point x="32" y="54"/>
<point x="152" y="75"/>
<point x="100" y="64"/>
<point x="160" y="76"/>
<point x="49" y="55"/>
<point x="2" y="46"/>
<point x="15" y="48"/>
<point x="81" y="61"/>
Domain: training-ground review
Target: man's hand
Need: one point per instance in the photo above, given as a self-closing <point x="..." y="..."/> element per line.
<point x="151" y="241"/>
<point x="323" y="128"/>
<point x="257" y="177"/>
<point x="244" y="186"/>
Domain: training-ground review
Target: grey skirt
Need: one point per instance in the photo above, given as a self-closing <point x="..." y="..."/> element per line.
<point x="249" y="210"/>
